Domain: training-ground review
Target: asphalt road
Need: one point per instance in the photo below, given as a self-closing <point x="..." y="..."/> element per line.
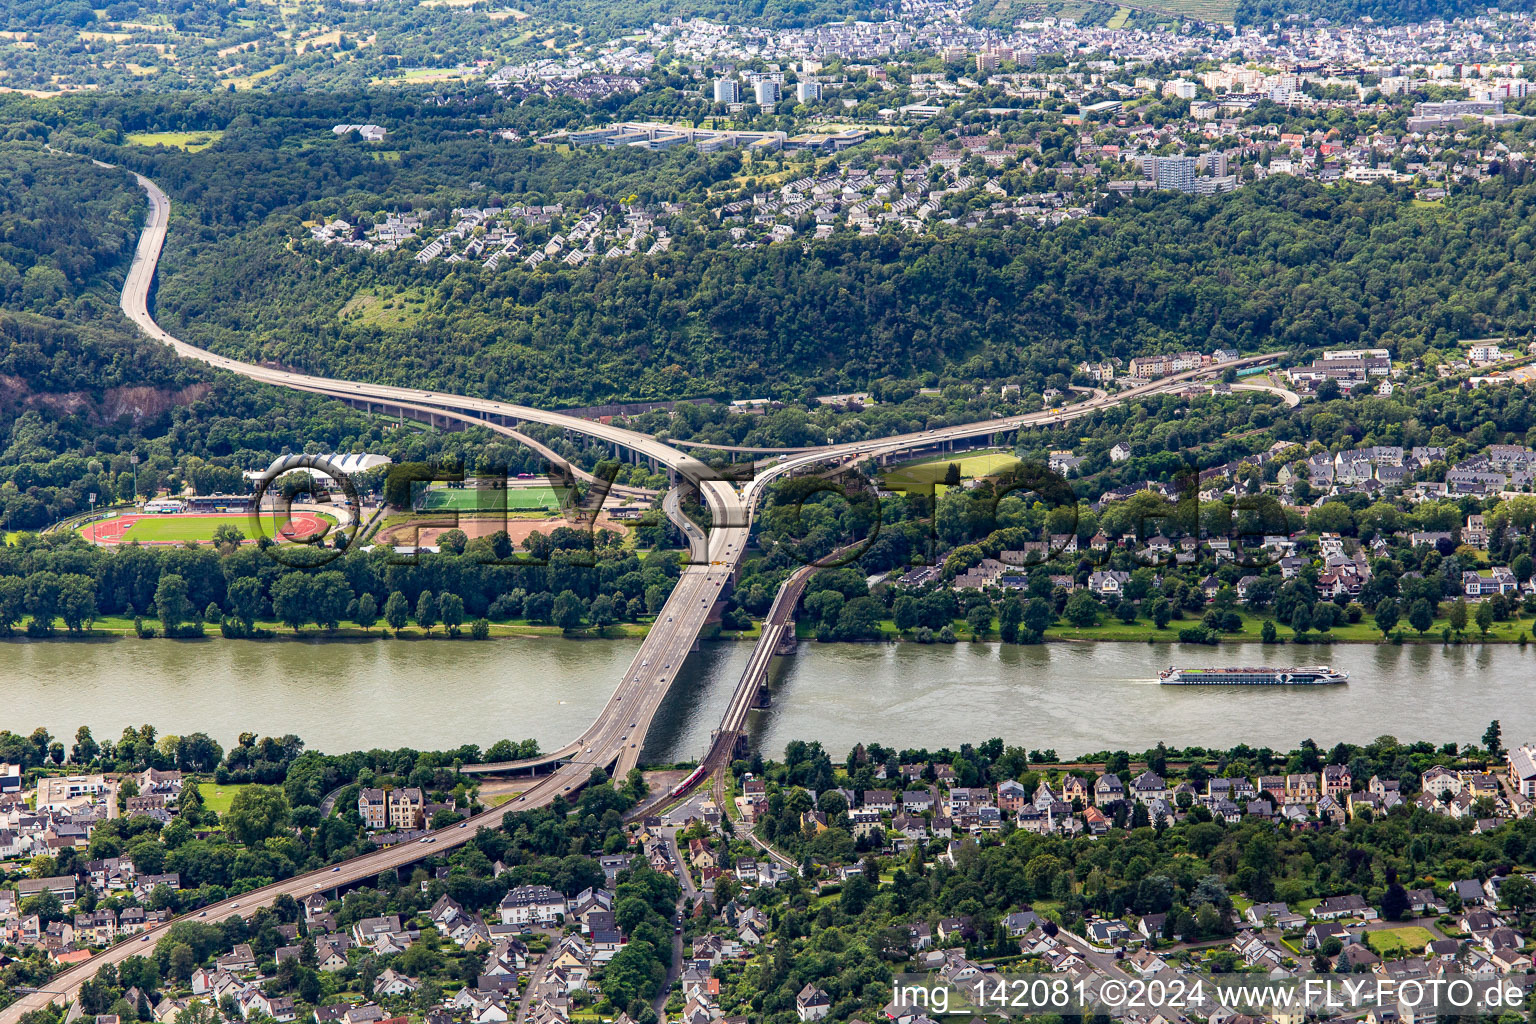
<point x="617" y="736"/>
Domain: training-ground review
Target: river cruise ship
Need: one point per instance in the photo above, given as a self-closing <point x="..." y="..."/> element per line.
<point x="1315" y="675"/>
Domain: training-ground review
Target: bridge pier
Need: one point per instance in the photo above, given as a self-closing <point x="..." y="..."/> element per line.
<point x="787" y="642"/>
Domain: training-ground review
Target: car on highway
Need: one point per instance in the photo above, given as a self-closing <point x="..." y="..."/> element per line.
<point x="336" y="868"/>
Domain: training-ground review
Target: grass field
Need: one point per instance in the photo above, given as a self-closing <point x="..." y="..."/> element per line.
<point x="469" y="499"/>
<point x="219" y="798"/>
<point x="382" y="308"/>
<point x="931" y="471"/>
<point x="192" y="142"/>
<point x="1392" y="942"/>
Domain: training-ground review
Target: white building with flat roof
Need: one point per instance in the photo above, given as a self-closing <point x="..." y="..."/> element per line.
<point x="63" y="792"/>
<point x="1522" y="770"/>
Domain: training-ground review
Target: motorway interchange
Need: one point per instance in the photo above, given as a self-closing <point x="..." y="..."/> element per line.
<point x="617" y="737"/>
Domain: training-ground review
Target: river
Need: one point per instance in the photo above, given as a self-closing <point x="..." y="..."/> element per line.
<point x="1075" y="698"/>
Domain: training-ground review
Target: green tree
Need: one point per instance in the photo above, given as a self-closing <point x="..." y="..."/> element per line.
<point x="451" y="609"/>
<point x="397" y="611"/>
<point x="171" y="603"/>
<point x="1331" y="517"/>
<point x="1386" y="615"/>
<point x="634" y="974"/>
<point x="256" y="814"/>
<point x="367" y="611"/>
<point x="245" y="600"/>
<point x="330" y="595"/>
<point x="603" y="613"/>
<point x="1493" y="739"/>
<point x="567" y="611"/>
<point x="979" y="619"/>
<point x="1484" y="617"/>
<point x="1394" y="902"/>
<point x="1421" y="615"/>
<point x="1010" y="617"/>
<point x="1082" y="610"/>
<point x="1518" y="894"/>
<point x="43" y="593"/>
<point x="77" y="601"/>
<point x="1457" y="616"/>
<point x="426" y="611"/>
<point x="1038" y="615"/>
<point x="86" y="748"/>
<point x="293" y="600"/>
<point x="1522" y="567"/>
<point x="13" y="603"/>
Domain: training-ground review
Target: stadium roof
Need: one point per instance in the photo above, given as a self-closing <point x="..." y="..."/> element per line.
<point x="351" y="464"/>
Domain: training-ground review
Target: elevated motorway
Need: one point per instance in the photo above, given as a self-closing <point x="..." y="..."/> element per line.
<point x="615" y="738"/>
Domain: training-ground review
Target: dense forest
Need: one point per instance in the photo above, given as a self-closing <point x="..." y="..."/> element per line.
<point x="82" y="391"/>
<point x="63" y="222"/>
<point x="569" y="579"/>
<point x="1282" y="264"/>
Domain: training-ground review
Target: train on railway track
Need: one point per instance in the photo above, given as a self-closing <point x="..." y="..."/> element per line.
<point x="683" y="787"/>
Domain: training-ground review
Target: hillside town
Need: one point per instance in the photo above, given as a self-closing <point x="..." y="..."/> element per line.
<point x="539" y="954"/>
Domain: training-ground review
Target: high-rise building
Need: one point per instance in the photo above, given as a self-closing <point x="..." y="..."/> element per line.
<point x="727" y="90"/>
<point x="986" y="62"/>
<point x="1175" y="172"/>
<point x="807" y="92"/>
<point x="767" y="92"/>
<point x="1214" y="164"/>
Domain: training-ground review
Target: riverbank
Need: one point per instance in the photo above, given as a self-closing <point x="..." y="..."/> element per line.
<point x="115" y="627"/>
<point x="1517" y="631"/>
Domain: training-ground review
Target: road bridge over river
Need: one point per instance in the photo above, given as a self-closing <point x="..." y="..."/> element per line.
<point x="615" y="738"/>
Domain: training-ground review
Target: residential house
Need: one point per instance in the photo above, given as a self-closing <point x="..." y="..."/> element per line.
<point x="373" y="809"/>
<point x="812" y="1003"/>
<point x="532" y="904"/>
